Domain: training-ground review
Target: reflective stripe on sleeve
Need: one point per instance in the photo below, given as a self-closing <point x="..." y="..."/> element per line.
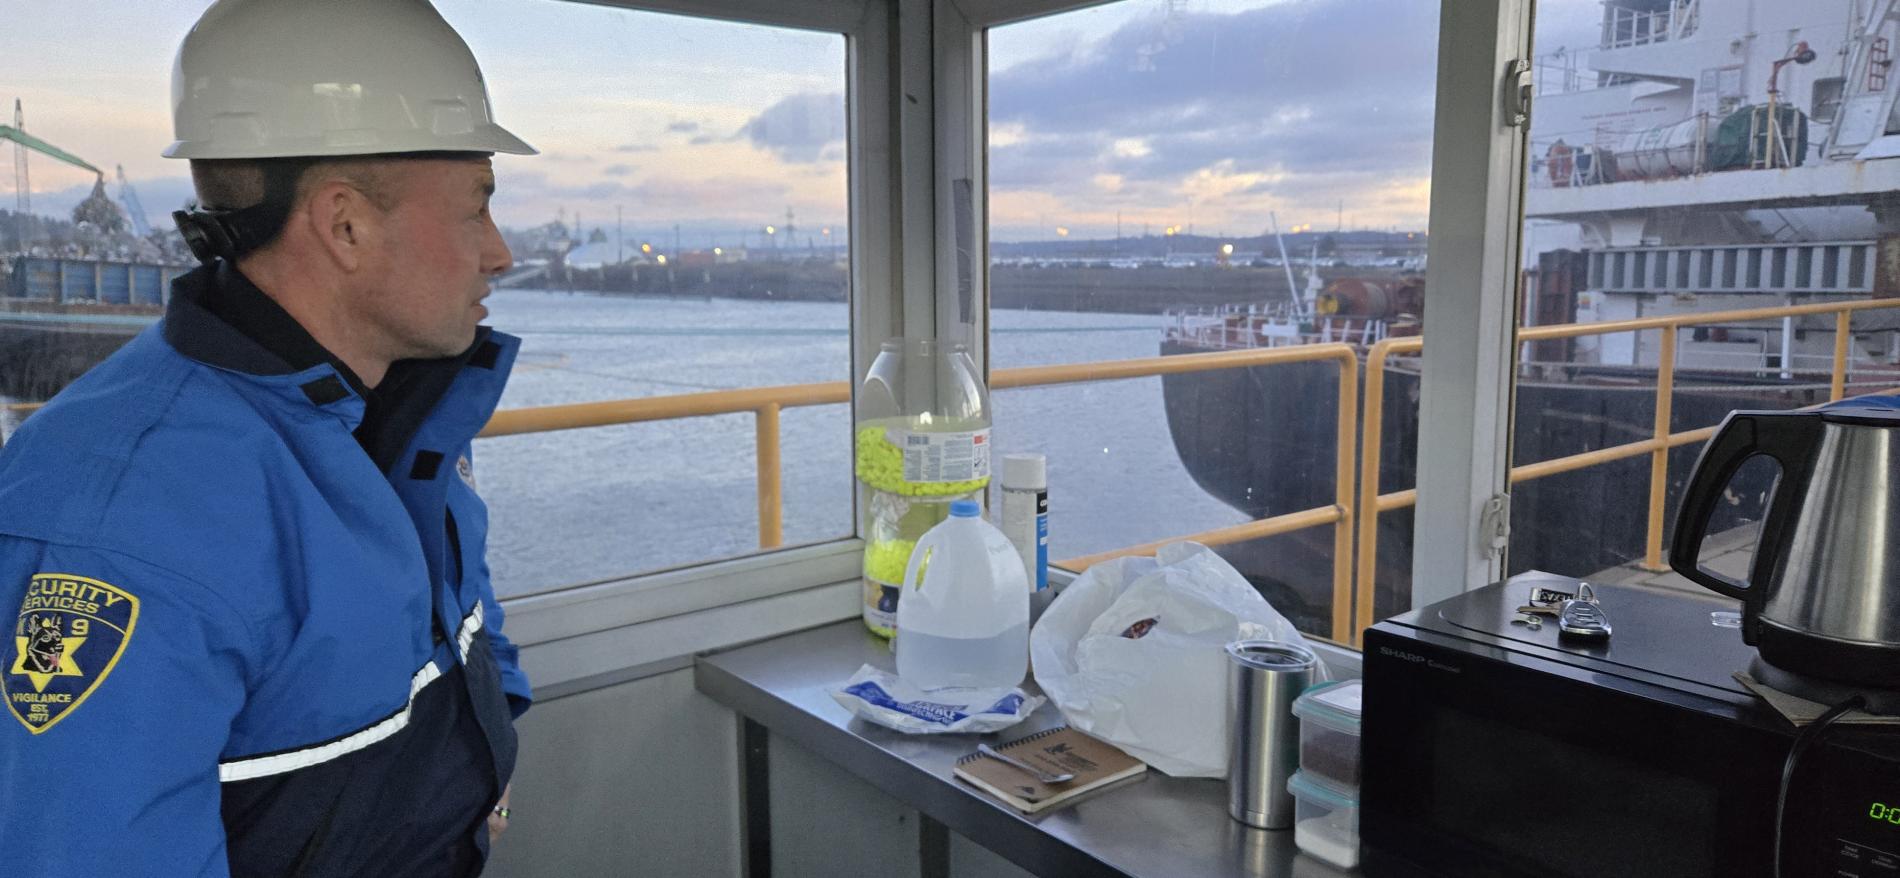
<point x="292" y="760"/>
<point x="470" y="624"/>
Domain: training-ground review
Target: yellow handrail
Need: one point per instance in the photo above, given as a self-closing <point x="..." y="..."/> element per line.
<point x="1355" y="510"/>
<point x="1371" y="503"/>
<point x="1340" y="514"/>
<point x="766" y="402"/>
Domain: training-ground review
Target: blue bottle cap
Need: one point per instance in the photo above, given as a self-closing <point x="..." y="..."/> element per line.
<point x="966" y="508"/>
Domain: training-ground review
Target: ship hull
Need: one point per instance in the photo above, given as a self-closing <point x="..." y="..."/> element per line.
<point x="1262" y="439"/>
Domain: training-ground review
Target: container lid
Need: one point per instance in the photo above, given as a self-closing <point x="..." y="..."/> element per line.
<point x="1333" y="705"/>
<point x="966" y="509"/>
<point x="1271" y="655"/>
<point x="1025" y="471"/>
<point x="1863" y="414"/>
<point x="1305" y="786"/>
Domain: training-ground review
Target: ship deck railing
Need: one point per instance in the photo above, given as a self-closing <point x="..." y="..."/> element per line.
<point x="1357" y="502"/>
<point x="1371" y="503"/>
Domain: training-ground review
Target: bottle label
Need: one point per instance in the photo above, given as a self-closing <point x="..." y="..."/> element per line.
<point x="943" y="457"/>
<point x="1042" y="540"/>
<point x="1026" y="523"/>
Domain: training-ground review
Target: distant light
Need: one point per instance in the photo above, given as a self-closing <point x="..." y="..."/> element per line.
<point x="646" y="248"/>
<point x="771" y="230"/>
<point x="827" y="231"/>
<point x="660" y="258"/>
<point x="1226" y="249"/>
<point x="1062" y="231"/>
<point x="718" y="252"/>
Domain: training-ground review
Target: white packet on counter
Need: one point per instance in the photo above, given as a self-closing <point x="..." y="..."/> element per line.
<point x="887" y="700"/>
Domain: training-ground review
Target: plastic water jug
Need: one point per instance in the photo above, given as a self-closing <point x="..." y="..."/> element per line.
<point x="964" y="616"/>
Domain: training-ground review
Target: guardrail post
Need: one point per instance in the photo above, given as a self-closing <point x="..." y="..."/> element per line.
<point x="1373" y="425"/>
<point x="1838" y="386"/>
<point x="1343" y="531"/>
<point x="771" y="512"/>
<point x="1659" y="458"/>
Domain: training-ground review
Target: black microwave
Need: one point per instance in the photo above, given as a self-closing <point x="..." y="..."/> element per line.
<point x="1493" y="749"/>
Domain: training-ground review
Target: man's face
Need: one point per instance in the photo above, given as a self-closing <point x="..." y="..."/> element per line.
<point x="438" y="250"/>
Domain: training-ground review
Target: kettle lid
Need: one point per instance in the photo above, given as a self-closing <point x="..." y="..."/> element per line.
<point x="1865" y="415"/>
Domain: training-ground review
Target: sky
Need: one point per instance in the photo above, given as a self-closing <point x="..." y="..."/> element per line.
<point x="1214" y="113"/>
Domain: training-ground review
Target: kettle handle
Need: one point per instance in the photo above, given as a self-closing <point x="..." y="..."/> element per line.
<point x="1790" y="439"/>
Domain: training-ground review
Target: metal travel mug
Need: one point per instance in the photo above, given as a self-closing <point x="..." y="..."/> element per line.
<point x="1263" y="678"/>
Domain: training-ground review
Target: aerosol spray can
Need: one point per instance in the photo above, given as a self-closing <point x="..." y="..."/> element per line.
<point x="1026" y="519"/>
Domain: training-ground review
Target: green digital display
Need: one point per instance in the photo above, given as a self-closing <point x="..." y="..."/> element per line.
<point x="1885" y="813"/>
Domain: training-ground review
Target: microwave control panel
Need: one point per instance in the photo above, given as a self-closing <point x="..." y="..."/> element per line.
<point x="1863" y="831"/>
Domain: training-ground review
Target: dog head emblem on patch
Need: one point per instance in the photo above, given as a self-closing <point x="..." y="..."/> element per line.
<point x="466" y="470"/>
<point x="44" y="645"/>
<point x="69" y="634"/>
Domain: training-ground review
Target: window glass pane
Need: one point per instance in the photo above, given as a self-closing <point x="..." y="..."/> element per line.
<point x="1661" y="185"/>
<point x="1191" y="177"/>
<point x="681" y="232"/>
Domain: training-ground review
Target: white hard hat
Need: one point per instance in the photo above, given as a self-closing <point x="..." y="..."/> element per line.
<point x="283" y="78"/>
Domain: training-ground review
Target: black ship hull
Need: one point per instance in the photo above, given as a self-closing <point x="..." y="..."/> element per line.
<point x="1262" y="439"/>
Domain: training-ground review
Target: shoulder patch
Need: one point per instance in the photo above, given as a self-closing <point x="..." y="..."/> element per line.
<point x="466" y="470"/>
<point x="69" y="634"/>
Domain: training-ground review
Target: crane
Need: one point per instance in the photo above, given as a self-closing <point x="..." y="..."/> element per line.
<point x="22" y="142"/>
<point x="129" y="199"/>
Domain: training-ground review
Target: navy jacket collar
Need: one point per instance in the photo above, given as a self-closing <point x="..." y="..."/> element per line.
<point x="218" y="317"/>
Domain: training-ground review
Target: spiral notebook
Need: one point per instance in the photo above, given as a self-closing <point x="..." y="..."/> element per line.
<point x="1060" y="750"/>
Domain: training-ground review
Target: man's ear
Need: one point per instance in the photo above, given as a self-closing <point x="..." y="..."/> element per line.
<point x="344" y="221"/>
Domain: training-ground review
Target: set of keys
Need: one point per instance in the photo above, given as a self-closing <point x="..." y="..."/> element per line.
<point x="1577" y="615"/>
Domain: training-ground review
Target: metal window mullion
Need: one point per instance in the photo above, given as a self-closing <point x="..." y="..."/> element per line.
<point x="915" y="112"/>
<point x="873" y="174"/>
<point x="959" y="178"/>
<point x="1476" y="222"/>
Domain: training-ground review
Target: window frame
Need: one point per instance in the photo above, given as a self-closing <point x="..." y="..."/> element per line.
<point x="916" y="107"/>
<point x="1472" y="262"/>
<point x="583" y="634"/>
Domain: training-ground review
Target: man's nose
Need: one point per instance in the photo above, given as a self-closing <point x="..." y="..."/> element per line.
<point x="496" y="257"/>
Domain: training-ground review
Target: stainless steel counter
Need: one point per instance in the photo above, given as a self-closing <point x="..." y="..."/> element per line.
<point x="1156" y="827"/>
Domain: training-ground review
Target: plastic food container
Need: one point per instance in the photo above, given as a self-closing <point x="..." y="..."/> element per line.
<point x="1325" y="821"/>
<point x="1329" y="734"/>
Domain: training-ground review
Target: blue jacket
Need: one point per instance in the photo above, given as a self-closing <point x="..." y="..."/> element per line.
<point x="237" y="646"/>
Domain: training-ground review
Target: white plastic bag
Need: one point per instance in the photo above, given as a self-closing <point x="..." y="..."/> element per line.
<point x="1133" y="652"/>
<point x="889" y="701"/>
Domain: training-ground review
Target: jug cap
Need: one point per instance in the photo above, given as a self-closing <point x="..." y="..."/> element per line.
<point x="965" y="509"/>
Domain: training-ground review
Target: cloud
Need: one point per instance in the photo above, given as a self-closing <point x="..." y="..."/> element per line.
<point x="635" y="147"/>
<point x="798" y="128"/>
<point x="683" y="127"/>
<point x="526" y="198"/>
<point x="617" y="170"/>
<point x="1234" y="107"/>
<point x="702" y="140"/>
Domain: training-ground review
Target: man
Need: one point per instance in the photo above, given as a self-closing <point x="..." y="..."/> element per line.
<point x="242" y="559"/>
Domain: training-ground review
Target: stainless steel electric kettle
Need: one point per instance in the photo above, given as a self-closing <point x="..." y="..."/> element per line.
<point x="1823" y="594"/>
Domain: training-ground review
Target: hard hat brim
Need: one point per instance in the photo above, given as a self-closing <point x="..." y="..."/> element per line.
<point x="488" y="138"/>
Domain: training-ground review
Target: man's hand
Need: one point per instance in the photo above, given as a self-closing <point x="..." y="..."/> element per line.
<point x="498" y="819"/>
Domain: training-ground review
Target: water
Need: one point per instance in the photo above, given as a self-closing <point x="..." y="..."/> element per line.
<point x="993" y="662"/>
<point x="598" y="503"/>
<point x="594" y="504"/>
